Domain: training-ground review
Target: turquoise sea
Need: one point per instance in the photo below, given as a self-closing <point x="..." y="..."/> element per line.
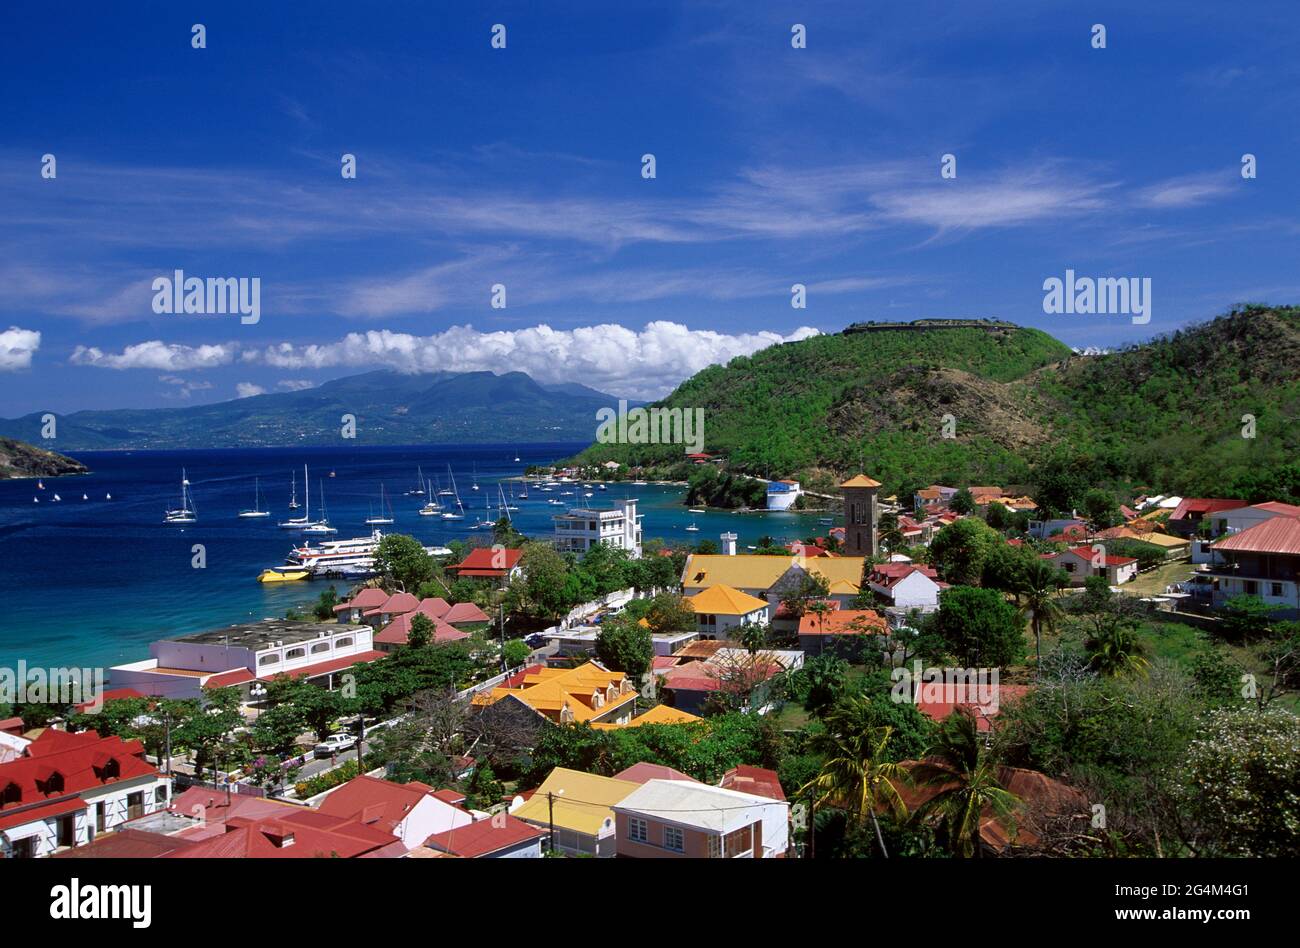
<point x="92" y="582"/>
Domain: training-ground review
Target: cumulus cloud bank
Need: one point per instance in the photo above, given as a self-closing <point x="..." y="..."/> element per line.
<point x="642" y="364"/>
<point x="158" y="355"/>
<point x="17" y="346"/>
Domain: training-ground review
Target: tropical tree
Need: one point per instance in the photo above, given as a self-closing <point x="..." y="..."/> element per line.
<point x="857" y="776"/>
<point x="1039" y="600"/>
<point x="965" y="774"/>
<point x="753" y="636"/>
<point x="1113" y="647"/>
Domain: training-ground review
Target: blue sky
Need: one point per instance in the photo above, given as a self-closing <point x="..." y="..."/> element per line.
<point x="522" y="167"/>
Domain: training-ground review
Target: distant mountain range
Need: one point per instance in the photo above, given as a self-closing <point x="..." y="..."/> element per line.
<point x="390" y="408"/>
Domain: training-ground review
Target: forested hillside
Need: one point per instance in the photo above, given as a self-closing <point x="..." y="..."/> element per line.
<point x="1024" y="409"/>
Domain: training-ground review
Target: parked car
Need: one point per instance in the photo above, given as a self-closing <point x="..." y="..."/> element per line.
<point x="335" y="744"/>
<point x="536" y="640"/>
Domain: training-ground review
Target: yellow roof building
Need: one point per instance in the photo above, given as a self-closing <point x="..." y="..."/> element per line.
<point x="724" y="600"/>
<point x="748" y="574"/>
<point x="659" y="714"/>
<point x="577" y="801"/>
<point x="569" y="695"/>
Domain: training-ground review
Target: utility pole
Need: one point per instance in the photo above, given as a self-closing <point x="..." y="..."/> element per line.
<point x="550" y="807"/>
<point x="361" y="742"/>
<point x="501" y="621"/>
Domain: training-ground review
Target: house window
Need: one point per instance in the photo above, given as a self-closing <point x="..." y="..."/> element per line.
<point x="636" y="830"/>
<point x="715" y="847"/>
<point x="271" y="659"/>
<point x="134" y="805"/>
<point x="1250" y="587"/>
<point x="160" y="794"/>
<point x="12" y="793"/>
<point x="1275" y="589"/>
<point x="99" y="816"/>
<point x="342" y="643"/>
<point x="320" y="647"/>
<point x="673" y="839"/>
<point x="295" y="653"/>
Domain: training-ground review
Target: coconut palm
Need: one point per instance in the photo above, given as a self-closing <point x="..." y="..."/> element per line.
<point x="857" y="777"/>
<point x="1113" y="648"/>
<point x="1038" y="590"/>
<point x="960" y="765"/>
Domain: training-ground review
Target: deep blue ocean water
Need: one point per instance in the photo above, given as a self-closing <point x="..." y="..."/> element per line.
<point x="92" y="583"/>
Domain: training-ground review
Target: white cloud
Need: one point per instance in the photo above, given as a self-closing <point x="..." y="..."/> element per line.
<point x="295" y="385"/>
<point x="158" y="355"/>
<point x="248" y="390"/>
<point x="17" y="346"/>
<point x="1186" y="191"/>
<point x="184" y="388"/>
<point x="613" y="358"/>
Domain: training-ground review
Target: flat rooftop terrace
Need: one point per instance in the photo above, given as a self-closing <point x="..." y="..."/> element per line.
<point x="264" y="633"/>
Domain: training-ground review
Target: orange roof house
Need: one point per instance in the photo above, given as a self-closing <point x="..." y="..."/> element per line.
<point x="566" y="696"/>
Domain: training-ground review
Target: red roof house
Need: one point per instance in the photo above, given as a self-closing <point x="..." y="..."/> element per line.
<point x="499" y="835"/>
<point x="488" y="562"/>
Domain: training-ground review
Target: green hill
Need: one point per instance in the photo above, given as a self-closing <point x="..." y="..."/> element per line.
<point x="19" y="459"/>
<point x="1026" y="408"/>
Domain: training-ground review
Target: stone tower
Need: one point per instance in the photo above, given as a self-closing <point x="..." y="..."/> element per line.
<point x="861" y="516"/>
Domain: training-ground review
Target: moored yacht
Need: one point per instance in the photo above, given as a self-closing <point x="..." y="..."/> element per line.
<point x="185" y="512"/>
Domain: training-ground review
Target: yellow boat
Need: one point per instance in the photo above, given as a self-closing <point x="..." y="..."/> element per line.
<point x="282" y="575"/>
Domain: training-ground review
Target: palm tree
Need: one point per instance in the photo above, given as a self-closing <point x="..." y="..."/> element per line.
<point x="967" y="776"/>
<point x="1039" y="587"/>
<point x="856" y="775"/>
<point x="1114" y="648"/>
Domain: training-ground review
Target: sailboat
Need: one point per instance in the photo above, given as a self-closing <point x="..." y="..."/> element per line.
<point x="300" y="523"/>
<point x="475" y="484"/>
<point x="57" y="498"/>
<point x="293" y="487"/>
<point x="459" y="513"/>
<point x="40" y="485"/>
<point x="185" y="512"/>
<point x="420" y="484"/>
<point x="321" y="526"/>
<point x="487" y="522"/>
<point x="84" y="497"/>
<point x="257" y="511"/>
<point x="431" y="506"/>
<point x="503" y="507"/>
<point x="508" y="505"/>
<point x="516" y="457"/>
<point x="692" y="528"/>
<point x="380" y="518"/>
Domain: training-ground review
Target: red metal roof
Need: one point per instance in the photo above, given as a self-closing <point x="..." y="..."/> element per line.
<point x="1279" y="535"/>
<point x="756" y="780"/>
<point x="1204" y="505"/>
<point x="395" y="604"/>
<point x="1086" y="553"/>
<point x="368" y="598"/>
<point x="79" y="759"/>
<point x="485" y="561"/>
<point x="485" y="837"/>
<point x="32" y="814"/>
<point x="236" y="676"/>
<point x="113" y="694"/>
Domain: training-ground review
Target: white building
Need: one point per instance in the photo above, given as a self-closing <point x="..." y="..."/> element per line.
<point x="721" y="610"/>
<point x="667" y="818"/>
<point x="579" y="529"/>
<point x="781" y="495"/>
<point x="68" y="788"/>
<point x="1243" y="518"/>
<point x="237" y="655"/>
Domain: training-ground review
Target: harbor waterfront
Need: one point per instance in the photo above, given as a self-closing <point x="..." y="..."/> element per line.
<point x="92" y="582"/>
